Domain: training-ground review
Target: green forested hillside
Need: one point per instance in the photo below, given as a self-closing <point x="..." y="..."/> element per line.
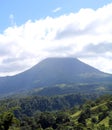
<point x="30" y="105"/>
<point x="67" y="112"/>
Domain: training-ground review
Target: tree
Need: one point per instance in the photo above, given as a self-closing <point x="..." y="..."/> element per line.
<point x="62" y="117"/>
<point x="102" y="115"/>
<point x="82" y="119"/>
<point x="110" y="122"/>
<point x="47" y="120"/>
<point x="6" y="120"/>
<point x="94" y="120"/>
<point x="87" y="113"/>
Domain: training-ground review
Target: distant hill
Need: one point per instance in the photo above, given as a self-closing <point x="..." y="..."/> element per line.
<point x="53" y="72"/>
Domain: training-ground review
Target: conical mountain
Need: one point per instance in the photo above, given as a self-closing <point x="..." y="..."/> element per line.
<point x="52" y="71"/>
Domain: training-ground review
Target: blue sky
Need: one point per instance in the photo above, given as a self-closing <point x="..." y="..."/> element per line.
<point x="32" y="30"/>
<point x="23" y="10"/>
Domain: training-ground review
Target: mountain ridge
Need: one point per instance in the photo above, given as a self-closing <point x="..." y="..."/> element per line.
<point x="52" y="71"/>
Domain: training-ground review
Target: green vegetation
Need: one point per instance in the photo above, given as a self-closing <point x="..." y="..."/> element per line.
<point x="67" y="112"/>
<point x="8" y="121"/>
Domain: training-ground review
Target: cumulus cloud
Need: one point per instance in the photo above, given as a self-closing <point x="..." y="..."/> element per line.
<point x="99" y="48"/>
<point x="86" y="35"/>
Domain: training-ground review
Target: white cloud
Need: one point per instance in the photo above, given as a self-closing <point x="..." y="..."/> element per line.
<point x="68" y="35"/>
<point x="57" y="9"/>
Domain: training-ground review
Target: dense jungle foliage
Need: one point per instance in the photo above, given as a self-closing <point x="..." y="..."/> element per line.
<point x="67" y="112"/>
